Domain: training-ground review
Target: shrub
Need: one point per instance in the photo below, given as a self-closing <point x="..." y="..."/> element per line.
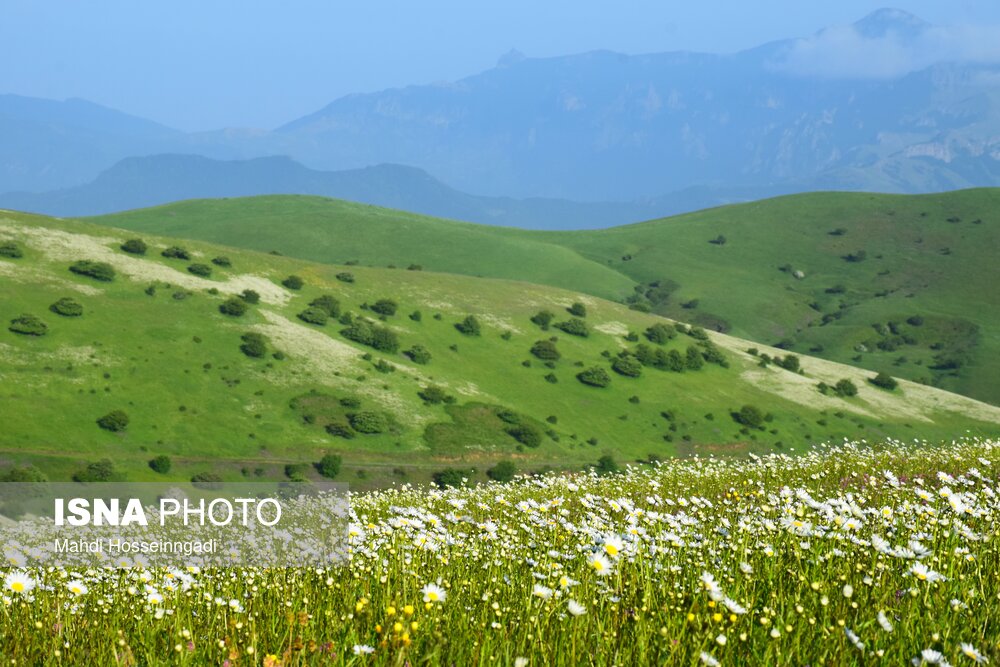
<point x="207" y="480"/>
<point x="503" y="471"/>
<point x="329" y="466"/>
<point x="574" y="327"/>
<point x="526" y="434"/>
<point x="915" y="321"/>
<point x="28" y="325"/>
<point x="416" y="316"/>
<point x="340" y="429"/>
<point x="160" y="464"/>
<point x="790" y="363"/>
<point x="67" y="307"/>
<point x="749" y="416"/>
<point x="97" y="270"/>
<point x="367" y="421"/>
<point x="345" y="277"/>
<point x="718" y="240"/>
<point x="545" y="350"/>
<point x="884" y="381"/>
<point x="385" y="307"/>
<point x="254" y="345"/>
<point x="176" y="252"/>
<point x="692" y="359"/>
<point x="469" y="326"/>
<point x="845" y="388"/>
<point x="11" y="250"/>
<point x="543" y="318"/>
<point x="577" y="310"/>
<point x="293" y="282"/>
<point x="606" y="465"/>
<point x="115" y="421"/>
<point x="28" y="473"/>
<point x="595" y="377"/>
<point x="551" y="378"/>
<point x="134" y="247"/>
<point x="221" y="261"/>
<point x="660" y="333"/>
<point x="250" y="296"/>
<point x="434" y="395"/>
<point x="449" y="477"/>
<point x="202" y="270"/>
<point x="98" y="471"/>
<point x="233" y="306"/>
<point x="377" y="337"/>
<point x="418" y="354"/>
<point x="328" y="303"/>
<point x="628" y="366"/>
<point x="314" y="315"/>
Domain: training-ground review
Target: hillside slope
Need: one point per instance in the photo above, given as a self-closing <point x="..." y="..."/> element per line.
<point x="926" y="258"/>
<point x="154" y="343"/>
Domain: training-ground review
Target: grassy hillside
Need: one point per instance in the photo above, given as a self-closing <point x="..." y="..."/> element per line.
<point x="152" y="342"/>
<point x="836" y="275"/>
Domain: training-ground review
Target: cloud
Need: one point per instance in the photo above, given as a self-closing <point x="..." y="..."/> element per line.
<point x="847" y="52"/>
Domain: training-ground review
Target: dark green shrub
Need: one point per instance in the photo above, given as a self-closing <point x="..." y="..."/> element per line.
<point x="714" y="355"/>
<point x="314" y="315"/>
<point x="329" y="466"/>
<point x="160" y="464"/>
<point x="693" y="359"/>
<point x="233" y="306"/>
<point x="11" y="250"/>
<point x="202" y="270"/>
<point x="367" y="421"/>
<point x="526" y="434"/>
<point x="418" y="354"/>
<point x="545" y="350"/>
<point x="435" y="395"/>
<point x="606" y="465"/>
<point x="884" y="381"/>
<point x="98" y="471"/>
<point x="469" y="326"/>
<point x="115" y="421"/>
<point x="574" y="327"/>
<point x="97" y="270"/>
<point x="551" y="378"/>
<point x="207" y="480"/>
<point x="250" y="296"/>
<point x="543" y="318"/>
<point x="915" y="321"/>
<point x="790" y="363"/>
<point x="350" y="402"/>
<point x="221" y="261"/>
<point x="845" y="388"/>
<point x="293" y="282"/>
<point x="577" y="310"/>
<point x="718" y="240"/>
<point x="377" y="337"/>
<point x="134" y="247"/>
<point x="340" y="429"/>
<point x="345" y="277"/>
<point x="67" y="307"/>
<point x="328" y="303"/>
<point x="176" y="252"/>
<point x="628" y="366"/>
<point x="254" y="345"/>
<point x="416" y="316"/>
<point x="449" y="477"/>
<point x="28" y="473"/>
<point x="28" y="325"/>
<point x="385" y="307"/>
<point x="660" y="333"/>
<point x="595" y="377"/>
<point x="503" y="471"/>
<point x="749" y="416"/>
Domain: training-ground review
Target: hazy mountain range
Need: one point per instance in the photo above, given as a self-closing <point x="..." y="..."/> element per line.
<point x="671" y="131"/>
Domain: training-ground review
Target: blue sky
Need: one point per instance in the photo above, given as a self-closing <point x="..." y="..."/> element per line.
<point x="205" y="64"/>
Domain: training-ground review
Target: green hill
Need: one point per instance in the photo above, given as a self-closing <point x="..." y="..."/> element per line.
<point x="895" y="283"/>
<point x="154" y="343"/>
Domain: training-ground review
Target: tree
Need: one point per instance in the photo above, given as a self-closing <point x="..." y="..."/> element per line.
<point x="543" y="318"/>
<point x="627" y="365"/>
<point x="233" y="306"/>
<point x="115" y="421"/>
<point x="67" y="307"/>
<point x="526" y="434"/>
<point x="845" y="388"/>
<point x="293" y="282"/>
<point x="329" y="466"/>
<point x="885" y="381"/>
<point x="176" y="252"/>
<point x="134" y="247"/>
<point x="545" y="350"/>
<point x="328" y="303"/>
<point x="314" y="315"/>
<point x="750" y="416"/>
<point x="660" y="333"/>
<point x="418" y="354"/>
<point x="97" y="270"/>
<point x="574" y="327"/>
<point x="449" y="477"/>
<point x="254" y="345"/>
<point x="28" y="325"/>
<point x="250" y="296"/>
<point x="503" y="471"/>
<point x="201" y="270"/>
<point x="98" y="471"/>
<point x="606" y="465"/>
<point x="469" y="326"/>
<point x="160" y="464"/>
<point x="693" y="360"/>
<point x="718" y="240"/>
<point x="595" y="377"/>
<point x="577" y="310"/>
<point x="385" y="307"/>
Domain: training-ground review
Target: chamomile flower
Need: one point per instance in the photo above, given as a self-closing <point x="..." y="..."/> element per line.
<point x="433" y="593"/>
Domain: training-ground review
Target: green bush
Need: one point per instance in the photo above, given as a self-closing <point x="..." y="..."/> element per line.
<point x="469" y="326"/>
<point x="345" y="277"/>
<point x="340" y="429"/>
<point x="693" y="359"/>
<point x="418" y="354"/>
<point x="28" y="325"/>
<point x="328" y="303"/>
<point x="384" y="307"/>
<point x="250" y="296"/>
<point x="176" y="252"/>
<point x="233" y="306"/>
<point x="202" y="270"/>
<point x="314" y="315"/>
<point x="449" y="477"/>
<point x="660" y="333"/>
<point x="416" y="316"/>
<point x="97" y="270"/>
<point x="749" y="416"/>
<point x="526" y="434"/>
<point x="380" y="338"/>
<point x="543" y="318"/>
<point x="503" y="471"/>
<point x="545" y="350"/>
<point x="207" y="480"/>
<point x="574" y="327"/>
<point x="329" y="466"/>
<point x="577" y="310"/>
<point x="606" y="465"/>
<point x="370" y="422"/>
<point x="628" y="366"/>
<point x="293" y="282"/>
<point x="161" y="464"/>
<point x="115" y="421"/>
<point x="98" y="471"/>
<point x="67" y="307"/>
<point x="595" y="377"/>
<point x="885" y="381"/>
<point x="11" y="250"/>
<point x="435" y="395"/>
<point x="254" y="345"/>
<point x="28" y="473"/>
<point x="845" y="388"/>
<point x="222" y="261"/>
<point x="134" y="247"/>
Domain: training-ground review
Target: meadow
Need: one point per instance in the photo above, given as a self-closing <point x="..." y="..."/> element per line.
<point x="857" y="553"/>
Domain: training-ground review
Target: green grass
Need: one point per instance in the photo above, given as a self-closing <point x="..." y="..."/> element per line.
<point x="928" y="255"/>
<point x="174" y="365"/>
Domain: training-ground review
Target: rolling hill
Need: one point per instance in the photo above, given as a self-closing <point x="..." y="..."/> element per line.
<point x="131" y="352"/>
<point x="843" y="276"/>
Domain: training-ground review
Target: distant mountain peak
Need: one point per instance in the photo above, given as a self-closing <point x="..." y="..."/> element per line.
<point x="512" y="57"/>
<point x="885" y="21"/>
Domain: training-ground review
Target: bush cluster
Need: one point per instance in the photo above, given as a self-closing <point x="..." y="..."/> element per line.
<point x="366" y="333"/>
<point x="67" y="307"/>
<point x="134" y="247"/>
<point x="28" y="325"/>
<point x="97" y="270"/>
